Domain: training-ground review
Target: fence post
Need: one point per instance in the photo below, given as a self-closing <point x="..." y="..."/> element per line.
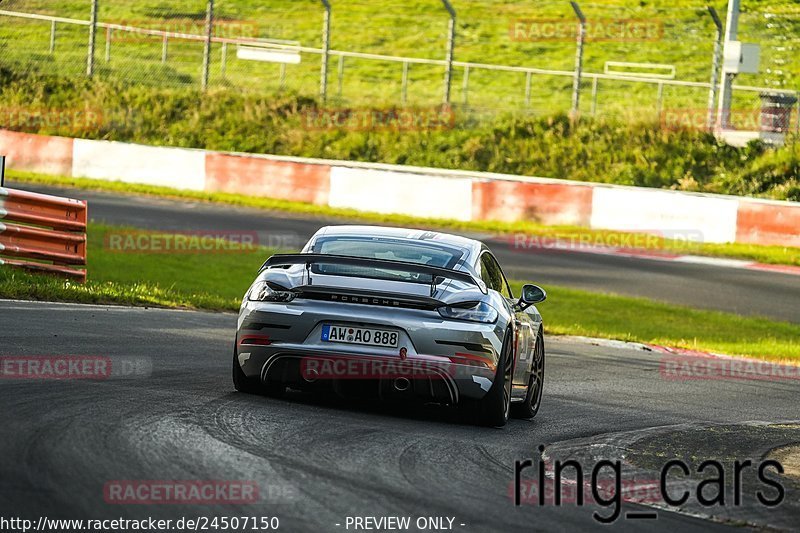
<point x="660" y="103"/>
<point x="207" y="47"/>
<point x="2" y="170"/>
<point x="326" y="49"/>
<point x="528" y="76"/>
<point x="451" y="43"/>
<point x="465" y="89"/>
<point x="731" y="32"/>
<point x="108" y="44"/>
<point x="224" y="64"/>
<point x="576" y="86"/>
<point x="594" y="96"/>
<point x="92" y="35"/>
<point x="712" y="96"/>
<point x="404" y="84"/>
<point x="341" y="74"/>
<point x="164" y="45"/>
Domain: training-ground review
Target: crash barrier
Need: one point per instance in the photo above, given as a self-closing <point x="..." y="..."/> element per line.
<point x="416" y="191"/>
<point x="43" y="233"/>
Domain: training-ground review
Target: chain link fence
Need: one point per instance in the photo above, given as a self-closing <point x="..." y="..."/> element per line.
<point x="636" y="60"/>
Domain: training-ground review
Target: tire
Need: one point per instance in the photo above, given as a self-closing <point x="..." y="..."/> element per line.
<point x="494" y="409"/>
<point x="533" y="397"/>
<point x="241" y="382"/>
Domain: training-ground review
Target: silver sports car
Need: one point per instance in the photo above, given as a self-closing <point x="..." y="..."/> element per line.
<point x="396" y="314"/>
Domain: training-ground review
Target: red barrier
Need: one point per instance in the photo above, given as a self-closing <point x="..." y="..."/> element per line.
<point x="52" y="237"/>
<point x="768" y="223"/>
<point x="546" y="203"/>
<point x="259" y="176"/>
<point x="37" y="153"/>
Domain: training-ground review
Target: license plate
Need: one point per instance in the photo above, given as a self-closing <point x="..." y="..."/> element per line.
<point x="366" y="336"/>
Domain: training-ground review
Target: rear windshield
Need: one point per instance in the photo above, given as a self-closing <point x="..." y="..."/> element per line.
<point x="408" y="251"/>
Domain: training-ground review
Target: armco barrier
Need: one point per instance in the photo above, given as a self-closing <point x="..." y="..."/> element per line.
<point x="38" y="227"/>
<point x="425" y="192"/>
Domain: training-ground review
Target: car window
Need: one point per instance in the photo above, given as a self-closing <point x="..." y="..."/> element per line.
<point x="493" y="276"/>
<point x="390" y="249"/>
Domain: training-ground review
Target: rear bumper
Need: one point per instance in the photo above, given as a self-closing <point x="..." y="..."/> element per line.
<point x="422" y="378"/>
<point x="276" y="341"/>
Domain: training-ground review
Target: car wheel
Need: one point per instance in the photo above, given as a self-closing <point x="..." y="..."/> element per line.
<point x="241" y="382"/>
<point x="533" y="398"/>
<point x="494" y="409"/>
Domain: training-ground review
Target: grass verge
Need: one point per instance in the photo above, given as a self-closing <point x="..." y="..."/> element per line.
<point x="781" y="255"/>
<point x="218" y="281"/>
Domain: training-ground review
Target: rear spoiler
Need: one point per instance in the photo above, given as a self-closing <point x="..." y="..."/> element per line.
<point x="435" y="272"/>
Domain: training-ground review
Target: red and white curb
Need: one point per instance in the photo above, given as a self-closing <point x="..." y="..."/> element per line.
<point x="546" y="243"/>
<point x="668" y="350"/>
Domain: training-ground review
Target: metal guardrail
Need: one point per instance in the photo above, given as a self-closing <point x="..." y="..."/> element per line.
<point x="43" y="233"/>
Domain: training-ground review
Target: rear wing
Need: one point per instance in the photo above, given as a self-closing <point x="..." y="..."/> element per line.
<point x="438" y="274"/>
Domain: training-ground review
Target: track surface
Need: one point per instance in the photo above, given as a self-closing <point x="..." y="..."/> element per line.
<point x="316" y="462"/>
<point x="744" y="292"/>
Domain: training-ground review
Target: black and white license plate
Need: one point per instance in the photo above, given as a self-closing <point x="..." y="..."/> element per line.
<point x="366" y="336"/>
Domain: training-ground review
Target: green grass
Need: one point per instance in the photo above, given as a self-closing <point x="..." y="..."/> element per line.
<point x="638" y="152"/>
<point x="218" y="282"/>
<point x="764" y="254"/>
<point x="416" y="28"/>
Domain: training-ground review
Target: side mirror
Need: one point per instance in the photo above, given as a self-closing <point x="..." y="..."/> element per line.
<point x="531" y="294"/>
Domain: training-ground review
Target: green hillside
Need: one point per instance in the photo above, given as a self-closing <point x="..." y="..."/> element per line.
<point x="487" y="32"/>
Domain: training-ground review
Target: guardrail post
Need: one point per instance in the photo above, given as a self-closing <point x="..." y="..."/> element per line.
<point x="712" y="96"/>
<point x="326" y="49"/>
<point x="576" y="85"/>
<point x="92" y="37"/>
<point x="52" y="36"/>
<point x="207" y="47"/>
<point x="2" y="170"/>
<point x="451" y="44"/>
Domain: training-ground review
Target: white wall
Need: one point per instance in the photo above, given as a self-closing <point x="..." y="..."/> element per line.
<point x="134" y="163"/>
<point x="664" y="212"/>
<point x="400" y="192"/>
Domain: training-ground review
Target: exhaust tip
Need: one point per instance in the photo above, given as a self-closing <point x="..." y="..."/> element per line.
<point x="401" y="384"/>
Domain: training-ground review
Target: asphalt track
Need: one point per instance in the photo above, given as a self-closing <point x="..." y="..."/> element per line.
<point x="316" y="461"/>
<point x="745" y="292"/>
